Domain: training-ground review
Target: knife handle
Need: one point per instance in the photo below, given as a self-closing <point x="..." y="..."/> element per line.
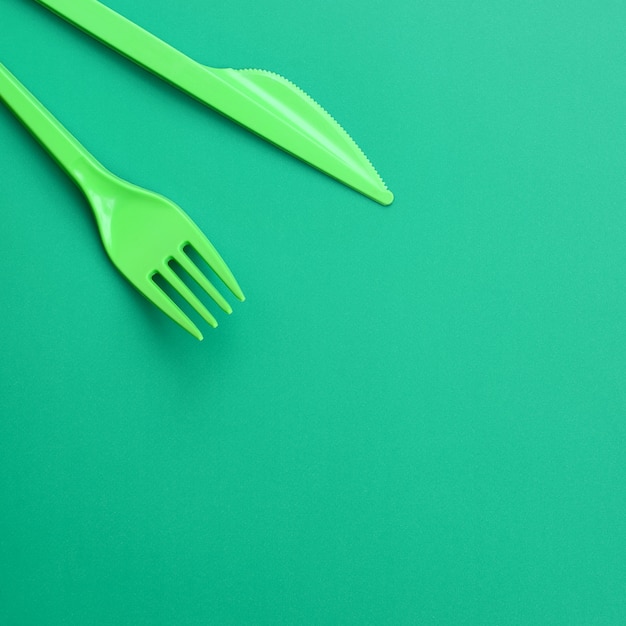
<point x="132" y="41"/>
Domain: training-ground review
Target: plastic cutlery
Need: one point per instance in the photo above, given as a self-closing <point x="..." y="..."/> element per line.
<point x="264" y="102"/>
<point x="144" y="234"/>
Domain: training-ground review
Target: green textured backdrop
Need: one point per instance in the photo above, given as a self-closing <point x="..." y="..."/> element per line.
<point x="418" y="416"/>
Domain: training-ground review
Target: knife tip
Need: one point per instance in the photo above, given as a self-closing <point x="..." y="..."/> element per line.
<point x="385" y="197"/>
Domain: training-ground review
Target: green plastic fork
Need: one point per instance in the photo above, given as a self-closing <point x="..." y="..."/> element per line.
<point x="142" y="232"/>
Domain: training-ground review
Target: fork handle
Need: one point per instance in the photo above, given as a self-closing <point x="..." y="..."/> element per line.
<point x="63" y="147"/>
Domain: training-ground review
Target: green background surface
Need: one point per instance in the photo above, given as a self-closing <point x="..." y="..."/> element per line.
<point x="419" y="414"/>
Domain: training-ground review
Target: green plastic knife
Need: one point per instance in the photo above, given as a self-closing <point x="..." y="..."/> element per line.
<point x="265" y="103"/>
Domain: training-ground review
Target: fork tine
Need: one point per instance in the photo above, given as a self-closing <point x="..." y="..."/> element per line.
<point x="174" y="280"/>
<point x="160" y="299"/>
<point x="206" y="250"/>
<point x="192" y="269"/>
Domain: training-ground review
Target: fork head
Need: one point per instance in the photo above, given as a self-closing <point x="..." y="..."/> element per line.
<point x="145" y="234"/>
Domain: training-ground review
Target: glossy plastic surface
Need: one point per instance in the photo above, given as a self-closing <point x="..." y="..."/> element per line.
<point x="142" y="232"/>
<point x="264" y="102"/>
